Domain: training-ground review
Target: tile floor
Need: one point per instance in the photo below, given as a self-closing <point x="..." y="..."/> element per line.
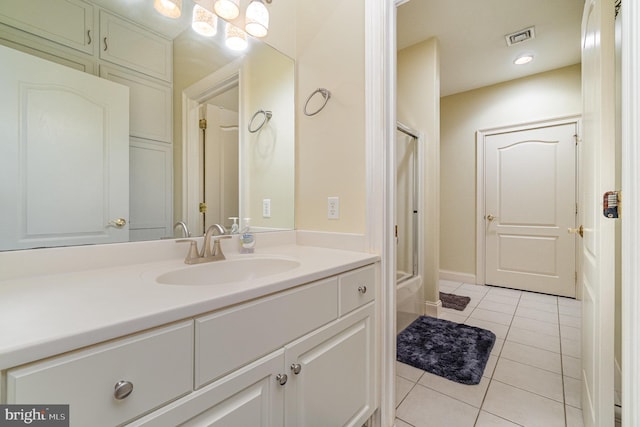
<point x="532" y="377"/>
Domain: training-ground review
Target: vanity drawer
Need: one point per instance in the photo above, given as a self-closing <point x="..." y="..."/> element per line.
<point x="159" y="364"/>
<point x="357" y="288"/>
<point x="234" y="337"/>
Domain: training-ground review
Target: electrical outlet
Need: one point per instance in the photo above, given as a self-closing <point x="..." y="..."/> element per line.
<point x="266" y="208"/>
<point x="333" y="207"/>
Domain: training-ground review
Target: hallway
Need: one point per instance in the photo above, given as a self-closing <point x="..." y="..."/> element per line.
<point x="532" y="377"/>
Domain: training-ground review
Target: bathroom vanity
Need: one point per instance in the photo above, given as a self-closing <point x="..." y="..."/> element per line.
<point x="290" y="348"/>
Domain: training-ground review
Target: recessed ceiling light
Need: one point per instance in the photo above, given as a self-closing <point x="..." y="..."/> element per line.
<point x="523" y="59"/>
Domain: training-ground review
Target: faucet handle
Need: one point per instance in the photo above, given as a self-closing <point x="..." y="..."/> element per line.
<point x="193" y="250"/>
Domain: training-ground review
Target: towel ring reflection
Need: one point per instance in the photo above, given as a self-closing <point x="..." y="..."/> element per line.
<point x="325" y="94"/>
<point x="266" y="118"/>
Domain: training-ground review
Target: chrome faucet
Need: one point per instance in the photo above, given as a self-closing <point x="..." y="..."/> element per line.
<point x="183" y="227"/>
<point x="206" y="254"/>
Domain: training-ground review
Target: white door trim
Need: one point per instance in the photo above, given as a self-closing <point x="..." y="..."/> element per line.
<point x="630" y="213"/>
<point x="481" y="136"/>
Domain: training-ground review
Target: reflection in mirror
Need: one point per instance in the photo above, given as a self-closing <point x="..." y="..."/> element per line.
<point x="154" y="59"/>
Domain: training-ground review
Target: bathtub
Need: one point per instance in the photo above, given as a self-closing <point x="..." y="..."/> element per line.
<point x="409" y="298"/>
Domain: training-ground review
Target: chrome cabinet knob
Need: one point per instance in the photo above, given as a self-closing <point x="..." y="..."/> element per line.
<point x="122" y="389"/>
<point x="296" y="368"/>
<point x="362" y="289"/>
<point x="282" y="379"/>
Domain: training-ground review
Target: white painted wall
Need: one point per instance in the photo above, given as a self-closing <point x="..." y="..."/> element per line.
<point x="542" y="96"/>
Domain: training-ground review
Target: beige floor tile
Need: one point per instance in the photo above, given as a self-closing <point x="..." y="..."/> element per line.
<point x="408" y="372"/>
<point x="474" y="288"/>
<point x="496" y="328"/>
<point x="466" y="312"/>
<point x="486" y="419"/>
<point x="536" y="326"/>
<point x="532" y="356"/>
<point x="400" y="423"/>
<point x="573" y="392"/>
<point x="471" y="394"/>
<point x="574" y="417"/>
<point x="575" y="311"/>
<point x="522" y="407"/>
<point x="447" y="289"/>
<point x="529" y="378"/>
<point x="570" y="332"/>
<point x="571" y="367"/>
<point x="424" y="407"/>
<point x="569" y="302"/>
<point x="534" y="339"/>
<point x="497" y="347"/>
<point x="574" y="322"/>
<point x="571" y="348"/>
<point x="504" y="299"/>
<point x="490" y="366"/>
<point x="491" y="316"/>
<point x="532" y="313"/>
<point x="403" y="387"/>
<point x="496" y="306"/>
<point x="452" y="316"/>
<point x="542" y="306"/>
<point x="514" y="293"/>
<point x="451" y="283"/>
<point x="532" y="296"/>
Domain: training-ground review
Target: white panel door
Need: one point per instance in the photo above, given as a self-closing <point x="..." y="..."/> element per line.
<point x="530" y="202"/>
<point x="597" y="168"/>
<point x="64" y="155"/>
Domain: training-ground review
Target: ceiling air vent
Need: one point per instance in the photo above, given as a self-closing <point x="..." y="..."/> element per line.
<point x="520" y="36"/>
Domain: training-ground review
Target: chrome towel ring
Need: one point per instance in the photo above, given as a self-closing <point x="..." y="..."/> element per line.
<point x="325" y="94"/>
<point x="265" y="119"/>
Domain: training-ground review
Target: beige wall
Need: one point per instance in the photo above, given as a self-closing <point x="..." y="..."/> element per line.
<point x="330" y="148"/>
<point x="543" y="96"/>
<point x="418" y="91"/>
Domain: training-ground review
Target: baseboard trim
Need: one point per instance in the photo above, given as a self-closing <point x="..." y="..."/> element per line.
<point x="458" y="277"/>
<point x="433" y="309"/>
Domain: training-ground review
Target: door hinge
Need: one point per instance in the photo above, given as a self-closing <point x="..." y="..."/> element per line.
<point x="577" y="138"/>
<point x="202" y="123"/>
<point x="576" y="209"/>
<point x="611" y="204"/>
<point x="202" y="207"/>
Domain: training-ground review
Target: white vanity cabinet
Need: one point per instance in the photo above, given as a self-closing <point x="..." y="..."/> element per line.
<point x="263" y="377"/>
<point x="153" y="368"/>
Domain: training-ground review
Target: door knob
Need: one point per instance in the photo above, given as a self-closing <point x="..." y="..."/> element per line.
<point x="579" y="230"/>
<point x="490" y="217"/>
<point x="118" y="222"/>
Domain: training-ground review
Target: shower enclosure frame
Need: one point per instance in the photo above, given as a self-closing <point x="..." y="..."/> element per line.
<point x="417" y="199"/>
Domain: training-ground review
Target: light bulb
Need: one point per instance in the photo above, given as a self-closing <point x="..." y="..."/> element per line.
<point x="169" y="8"/>
<point x="235" y="38"/>
<point x="523" y="59"/>
<point x="257" y="19"/>
<point x="204" y="22"/>
<point x="227" y="9"/>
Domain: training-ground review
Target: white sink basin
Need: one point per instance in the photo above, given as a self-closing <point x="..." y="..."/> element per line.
<point x="234" y="270"/>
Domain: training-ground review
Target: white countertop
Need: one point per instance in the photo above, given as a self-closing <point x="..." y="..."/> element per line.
<point x="45" y="315"/>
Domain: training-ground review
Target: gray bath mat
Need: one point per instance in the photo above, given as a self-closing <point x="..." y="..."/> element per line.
<point x="451" y="350"/>
<point x="456" y="302"/>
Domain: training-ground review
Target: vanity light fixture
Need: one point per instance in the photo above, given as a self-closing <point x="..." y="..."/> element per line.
<point x="227" y="9"/>
<point x="523" y="59"/>
<point x="235" y="38"/>
<point x="169" y="8"/>
<point x="256" y="20"/>
<point x="204" y="22"/>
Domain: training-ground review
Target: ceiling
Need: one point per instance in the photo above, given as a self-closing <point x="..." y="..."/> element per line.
<point x="473" y="49"/>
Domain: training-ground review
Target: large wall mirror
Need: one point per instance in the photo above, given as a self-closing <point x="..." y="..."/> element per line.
<point x="208" y="133"/>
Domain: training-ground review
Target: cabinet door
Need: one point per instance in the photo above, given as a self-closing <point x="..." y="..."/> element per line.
<point x="68" y="22"/>
<point x="150" y="190"/>
<point x="251" y="396"/>
<point x="131" y="46"/>
<point x="335" y="383"/>
<point x="150" y="106"/>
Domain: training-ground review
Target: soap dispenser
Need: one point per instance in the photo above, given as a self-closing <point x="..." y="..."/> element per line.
<point x="247" y="239"/>
<point x="234" y="227"/>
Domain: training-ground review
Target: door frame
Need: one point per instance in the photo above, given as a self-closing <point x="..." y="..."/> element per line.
<point x="630" y="213"/>
<point x="481" y="136"/>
